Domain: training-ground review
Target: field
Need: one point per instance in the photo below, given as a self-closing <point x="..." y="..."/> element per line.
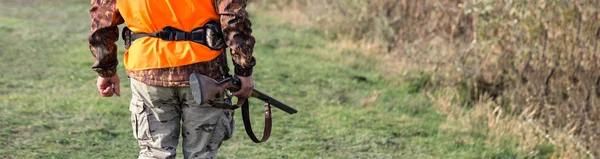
<point x="349" y="105"/>
<point x="523" y="67"/>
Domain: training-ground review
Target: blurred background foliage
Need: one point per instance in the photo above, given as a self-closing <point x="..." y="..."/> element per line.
<point x="531" y="65"/>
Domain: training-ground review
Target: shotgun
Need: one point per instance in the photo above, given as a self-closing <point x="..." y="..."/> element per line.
<point x="207" y="90"/>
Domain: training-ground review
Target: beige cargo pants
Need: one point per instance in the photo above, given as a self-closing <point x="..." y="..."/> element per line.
<point x="160" y="114"/>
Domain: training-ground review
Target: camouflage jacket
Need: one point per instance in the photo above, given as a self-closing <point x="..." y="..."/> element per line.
<point x="235" y="24"/>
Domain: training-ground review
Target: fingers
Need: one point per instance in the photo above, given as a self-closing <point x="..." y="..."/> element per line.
<point x="107" y="87"/>
<point x="117" y="87"/>
<point x="238" y="93"/>
<point x="100" y="85"/>
<point x="243" y="93"/>
<point x="107" y="92"/>
<point x="246" y="88"/>
<point x="103" y="87"/>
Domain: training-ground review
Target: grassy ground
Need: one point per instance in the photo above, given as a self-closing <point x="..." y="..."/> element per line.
<point x="49" y="107"/>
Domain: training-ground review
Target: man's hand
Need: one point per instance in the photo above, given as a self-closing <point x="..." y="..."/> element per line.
<point x="107" y="86"/>
<point x="245" y="90"/>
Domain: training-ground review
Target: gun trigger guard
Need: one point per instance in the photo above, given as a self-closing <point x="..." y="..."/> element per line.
<point x="228" y="94"/>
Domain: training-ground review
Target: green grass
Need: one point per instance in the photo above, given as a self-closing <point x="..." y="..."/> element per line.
<point x="49" y="107"/>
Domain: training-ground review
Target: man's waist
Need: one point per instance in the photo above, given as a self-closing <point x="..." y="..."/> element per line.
<point x="177" y="76"/>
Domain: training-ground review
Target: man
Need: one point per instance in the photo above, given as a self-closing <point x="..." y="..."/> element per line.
<point x="159" y="66"/>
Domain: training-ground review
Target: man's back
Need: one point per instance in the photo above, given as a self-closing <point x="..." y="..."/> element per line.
<point x="151" y="15"/>
<point x="147" y="16"/>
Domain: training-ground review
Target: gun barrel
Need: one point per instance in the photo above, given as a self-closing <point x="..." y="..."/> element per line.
<point x="274" y="102"/>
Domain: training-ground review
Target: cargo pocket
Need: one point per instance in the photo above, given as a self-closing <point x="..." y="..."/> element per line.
<point x="139" y="120"/>
<point x="228" y="124"/>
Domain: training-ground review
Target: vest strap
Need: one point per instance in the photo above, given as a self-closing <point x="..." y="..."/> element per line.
<point x="209" y="35"/>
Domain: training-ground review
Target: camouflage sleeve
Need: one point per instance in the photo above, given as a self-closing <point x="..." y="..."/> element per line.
<point x="105" y="17"/>
<point x="237" y="30"/>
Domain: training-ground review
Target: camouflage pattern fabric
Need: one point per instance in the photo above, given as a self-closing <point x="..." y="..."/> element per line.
<point x="179" y="76"/>
<point x="158" y="113"/>
<point x="235" y="23"/>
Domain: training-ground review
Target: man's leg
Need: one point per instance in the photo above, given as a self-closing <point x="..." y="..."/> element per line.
<point x="204" y="127"/>
<point x="155" y="117"/>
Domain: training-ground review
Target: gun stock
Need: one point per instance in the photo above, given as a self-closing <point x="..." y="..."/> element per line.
<point x="205" y="89"/>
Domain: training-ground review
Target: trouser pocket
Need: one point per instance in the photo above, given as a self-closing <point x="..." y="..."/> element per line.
<point x="139" y="120"/>
<point x="227" y="124"/>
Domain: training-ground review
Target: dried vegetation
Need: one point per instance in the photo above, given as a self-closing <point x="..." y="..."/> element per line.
<point x="528" y="67"/>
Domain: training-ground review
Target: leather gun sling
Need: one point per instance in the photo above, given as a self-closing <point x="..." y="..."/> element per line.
<point x="248" y="125"/>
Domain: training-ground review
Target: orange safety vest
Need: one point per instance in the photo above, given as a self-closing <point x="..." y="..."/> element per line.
<point x="150" y="16"/>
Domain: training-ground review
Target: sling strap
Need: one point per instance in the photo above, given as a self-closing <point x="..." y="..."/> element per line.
<point x="248" y="125"/>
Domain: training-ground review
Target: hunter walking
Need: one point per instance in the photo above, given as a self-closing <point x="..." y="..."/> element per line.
<point x="166" y="41"/>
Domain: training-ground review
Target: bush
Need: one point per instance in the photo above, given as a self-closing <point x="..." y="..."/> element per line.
<point x="538" y="59"/>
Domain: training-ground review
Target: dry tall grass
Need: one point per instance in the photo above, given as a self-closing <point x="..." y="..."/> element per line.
<point x="542" y="62"/>
<point x="536" y="60"/>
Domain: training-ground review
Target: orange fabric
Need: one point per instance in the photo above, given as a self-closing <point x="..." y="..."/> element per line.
<point x="150" y="16"/>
